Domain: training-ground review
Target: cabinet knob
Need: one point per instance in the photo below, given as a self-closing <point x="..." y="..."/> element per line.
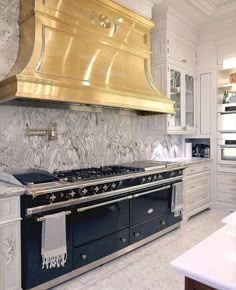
<point x="162" y="222"/>
<point x="136" y="234"/>
<point x="84" y="257"/>
<point x="123" y="240"/>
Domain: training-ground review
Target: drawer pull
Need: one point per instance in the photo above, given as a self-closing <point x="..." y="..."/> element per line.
<point x="83" y="257"/>
<point x="136" y="235"/>
<point x="123" y="240"/>
<point x="162" y="222"/>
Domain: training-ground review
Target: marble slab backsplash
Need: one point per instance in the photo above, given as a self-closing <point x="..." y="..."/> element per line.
<point x="84" y="138"/>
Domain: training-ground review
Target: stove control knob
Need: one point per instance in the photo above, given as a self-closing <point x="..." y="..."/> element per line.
<point x="96" y="189"/>
<point x="83" y="192"/>
<point x="136" y="235"/>
<point x="105" y="188"/>
<point x="52" y="198"/>
<point x="72" y="193"/>
<point x="123" y="240"/>
<point x="83" y="257"/>
<point x="143" y="180"/>
<point x="172" y="174"/>
<point x="155" y="178"/>
<point x="113" y="186"/>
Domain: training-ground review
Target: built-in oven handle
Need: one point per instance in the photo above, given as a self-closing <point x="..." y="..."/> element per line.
<point x="227" y="146"/>
<point x="103" y="203"/>
<point x="41" y="219"/>
<point x="150" y="191"/>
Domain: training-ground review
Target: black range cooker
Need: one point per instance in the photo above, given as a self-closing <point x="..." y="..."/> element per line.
<point x="110" y="210"/>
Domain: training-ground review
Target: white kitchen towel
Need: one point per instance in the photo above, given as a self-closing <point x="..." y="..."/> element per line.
<point x="54" y="250"/>
<point x="177" y="202"/>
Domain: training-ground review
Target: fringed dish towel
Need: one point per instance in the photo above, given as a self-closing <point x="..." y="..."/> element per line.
<point x="177" y="202"/>
<point x="54" y="250"/>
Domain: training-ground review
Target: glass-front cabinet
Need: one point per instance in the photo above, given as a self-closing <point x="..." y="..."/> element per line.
<point x="181" y="91"/>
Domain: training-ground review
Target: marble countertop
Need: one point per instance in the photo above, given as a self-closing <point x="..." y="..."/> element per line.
<point x="213" y="260"/>
<point x="8" y="189"/>
<point x="230" y="219"/>
<point x="188" y="161"/>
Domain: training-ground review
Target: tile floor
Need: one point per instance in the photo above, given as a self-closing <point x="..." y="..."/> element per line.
<point x="148" y="267"/>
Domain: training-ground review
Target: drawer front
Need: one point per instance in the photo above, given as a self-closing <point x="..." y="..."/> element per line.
<point x="227" y="188"/>
<point x="149" y="206"/>
<point x="226" y="197"/>
<point x="197" y="196"/>
<point x="197" y="182"/>
<point x="146" y="229"/>
<point x="195" y="205"/>
<point x="227" y="179"/>
<point x="9" y="208"/>
<point x="96" y="250"/>
<point x="100" y="222"/>
<point x="193" y="169"/>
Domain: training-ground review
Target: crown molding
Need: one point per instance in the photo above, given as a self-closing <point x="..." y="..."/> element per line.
<point x="219" y="32"/>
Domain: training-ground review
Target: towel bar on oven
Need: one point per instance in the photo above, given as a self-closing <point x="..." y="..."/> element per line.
<point x="43" y="217"/>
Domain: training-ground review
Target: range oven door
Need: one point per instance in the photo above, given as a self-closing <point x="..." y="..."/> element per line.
<point x="32" y="272"/>
<point x="150" y="212"/>
<point x="100" y="230"/>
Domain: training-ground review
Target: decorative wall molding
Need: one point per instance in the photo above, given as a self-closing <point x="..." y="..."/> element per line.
<point x="143" y="7"/>
<point x="218" y="33"/>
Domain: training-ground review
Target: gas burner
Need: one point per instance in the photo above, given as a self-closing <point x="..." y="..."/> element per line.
<point x="94" y="173"/>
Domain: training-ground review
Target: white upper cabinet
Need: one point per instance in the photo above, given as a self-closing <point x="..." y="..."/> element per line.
<point x="181" y="90"/>
<point x="182" y="53"/>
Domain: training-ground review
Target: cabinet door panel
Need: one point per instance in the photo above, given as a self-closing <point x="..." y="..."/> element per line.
<point x="189" y="101"/>
<point x="205" y="103"/>
<point x="175" y="85"/>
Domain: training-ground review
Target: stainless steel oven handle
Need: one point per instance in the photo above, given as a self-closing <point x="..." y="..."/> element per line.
<point x="103" y="203"/>
<point x="150" y="191"/>
<point x="41" y="219"/>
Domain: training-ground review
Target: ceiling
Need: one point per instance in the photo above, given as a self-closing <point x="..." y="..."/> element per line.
<point x="202" y="12"/>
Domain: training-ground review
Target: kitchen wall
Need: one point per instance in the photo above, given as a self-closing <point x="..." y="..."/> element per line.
<point x="84" y="138"/>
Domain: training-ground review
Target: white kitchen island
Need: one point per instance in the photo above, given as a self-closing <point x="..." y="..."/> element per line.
<point x="211" y="264"/>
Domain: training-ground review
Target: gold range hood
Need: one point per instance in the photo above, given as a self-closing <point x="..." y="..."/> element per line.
<point x="89" y="52"/>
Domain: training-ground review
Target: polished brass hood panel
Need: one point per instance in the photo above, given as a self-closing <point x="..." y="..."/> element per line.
<point x="92" y="52"/>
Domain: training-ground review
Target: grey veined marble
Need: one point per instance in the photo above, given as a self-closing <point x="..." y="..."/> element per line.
<point x="84" y="139"/>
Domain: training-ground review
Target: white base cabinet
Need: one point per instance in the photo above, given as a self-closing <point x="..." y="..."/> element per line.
<point x="197" y="188"/>
<point x="226" y="190"/>
<point x="10" y="247"/>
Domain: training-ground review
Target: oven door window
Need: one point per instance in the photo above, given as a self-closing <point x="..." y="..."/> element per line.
<point x="228" y="154"/>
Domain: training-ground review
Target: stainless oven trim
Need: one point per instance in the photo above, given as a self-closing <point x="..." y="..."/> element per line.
<point x="52" y="187"/>
<point x="151" y="191"/>
<point x="103" y="203"/>
<point x="222" y="161"/>
<point x="104" y="260"/>
<point x="41" y="219"/>
<point x="39" y="209"/>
